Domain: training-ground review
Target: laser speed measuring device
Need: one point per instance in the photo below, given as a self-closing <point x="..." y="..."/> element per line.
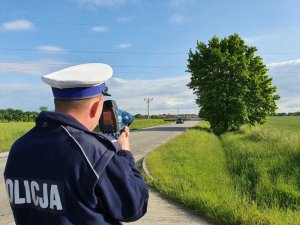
<point x="113" y="120"/>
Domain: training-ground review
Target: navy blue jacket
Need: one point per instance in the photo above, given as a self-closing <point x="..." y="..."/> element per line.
<point x="60" y="173"/>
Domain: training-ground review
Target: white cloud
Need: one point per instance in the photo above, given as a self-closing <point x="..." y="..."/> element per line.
<point x="289" y="104"/>
<point x="99" y="29"/>
<point x="17" y="25"/>
<point x="94" y="4"/>
<point x="286" y="76"/>
<point x="176" y="19"/>
<point x="34" y="68"/>
<point x="50" y="48"/>
<point x="27" y="97"/>
<point x="252" y="40"/>
<point x="169" y="95"/>
<point x="295" y="62"/>
<point x="124" y="45"/>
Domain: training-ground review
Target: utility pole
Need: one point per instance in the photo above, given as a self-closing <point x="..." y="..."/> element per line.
<point x="148" y="100"/>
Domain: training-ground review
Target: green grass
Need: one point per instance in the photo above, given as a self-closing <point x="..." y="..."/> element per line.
<point x="284" y="122"/>
<point x="247" y="177"/>
<point x="9" y="132"/>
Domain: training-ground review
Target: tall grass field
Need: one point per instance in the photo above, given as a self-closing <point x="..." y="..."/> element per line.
<point x="248" y="177"/>
<point x="9" y="132"/>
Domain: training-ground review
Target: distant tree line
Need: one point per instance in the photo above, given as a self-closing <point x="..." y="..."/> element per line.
<point x="17" y="115"/>
<point x="140" y="116"/>
<point x="288" y="114"/>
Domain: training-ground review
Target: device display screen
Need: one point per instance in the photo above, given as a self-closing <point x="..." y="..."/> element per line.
<point x="107" y="118"/>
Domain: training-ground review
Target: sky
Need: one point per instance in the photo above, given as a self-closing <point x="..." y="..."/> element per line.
<point x="145" y="42"/>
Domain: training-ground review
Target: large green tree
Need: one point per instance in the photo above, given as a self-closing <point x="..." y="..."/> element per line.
<point x="231" y="84"/>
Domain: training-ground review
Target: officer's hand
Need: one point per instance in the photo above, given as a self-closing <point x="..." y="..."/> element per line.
<point x="124" y="139"/>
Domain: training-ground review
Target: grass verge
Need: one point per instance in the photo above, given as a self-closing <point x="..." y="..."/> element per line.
<point x="247" y="177"/>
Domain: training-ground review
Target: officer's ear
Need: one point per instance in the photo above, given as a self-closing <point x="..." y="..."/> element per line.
<point x="95" y="108"/>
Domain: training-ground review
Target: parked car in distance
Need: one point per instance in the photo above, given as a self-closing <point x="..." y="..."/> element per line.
<point x="179" y="120"/>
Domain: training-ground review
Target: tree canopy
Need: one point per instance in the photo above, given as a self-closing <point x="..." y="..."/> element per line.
<point x="44" y="108"/>
<point x="17" y="115"/>
<point x="231" y="84"/>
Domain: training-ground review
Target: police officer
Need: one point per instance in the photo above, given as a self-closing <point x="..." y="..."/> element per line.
<point x="61" y="172"/>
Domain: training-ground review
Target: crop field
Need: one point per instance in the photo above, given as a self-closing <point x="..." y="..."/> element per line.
<point x="248" y="177"/>
<point x="9" y="132"/>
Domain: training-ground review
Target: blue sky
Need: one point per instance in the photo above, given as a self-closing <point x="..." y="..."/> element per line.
<point x="145" y="42"/>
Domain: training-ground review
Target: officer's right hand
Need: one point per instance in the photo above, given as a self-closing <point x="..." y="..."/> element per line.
<point x="124" y="139"/>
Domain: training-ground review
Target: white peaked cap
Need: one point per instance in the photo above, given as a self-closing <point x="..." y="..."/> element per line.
<point x="80" y="81"/>
<point x="83" y="75"/>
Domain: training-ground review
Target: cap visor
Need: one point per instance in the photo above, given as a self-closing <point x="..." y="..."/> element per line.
<point x="106" y="94"/>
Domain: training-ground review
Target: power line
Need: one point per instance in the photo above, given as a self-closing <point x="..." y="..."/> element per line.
<point x="71" y="23"/>
<point x="94" y="52"/>
<point x="38" y="66"/>
<point x="275" y="71"/>
<point x="68" y="64"/>
<point x="278" y="53"/>
<point x="12" y="63"/>
<point x="129" y="53"/>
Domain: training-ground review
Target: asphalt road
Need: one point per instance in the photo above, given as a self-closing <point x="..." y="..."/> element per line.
<point x="160" y="211"/>
<point x="145" y="140"/>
